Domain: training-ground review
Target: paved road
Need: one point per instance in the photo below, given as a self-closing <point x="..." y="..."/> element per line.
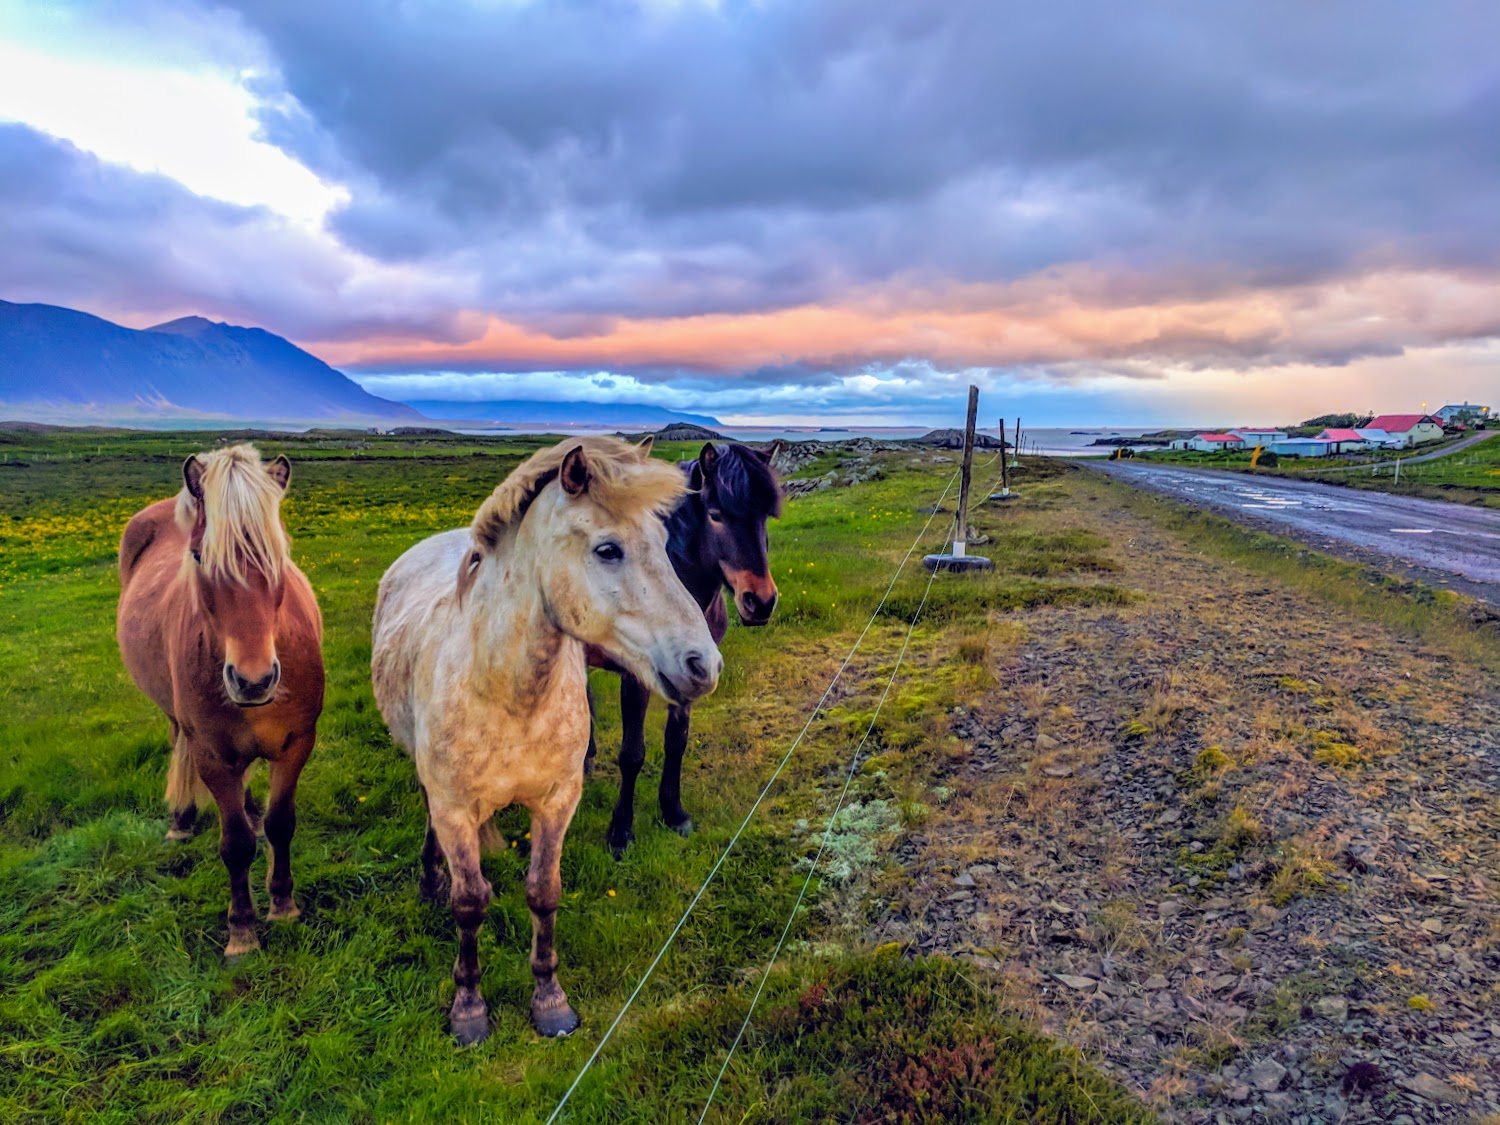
<point x="1454" y="544"/>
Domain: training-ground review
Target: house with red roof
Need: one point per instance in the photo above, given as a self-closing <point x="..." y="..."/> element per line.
<point x="1346" y="440"/>
<point x="1411" y="429"/>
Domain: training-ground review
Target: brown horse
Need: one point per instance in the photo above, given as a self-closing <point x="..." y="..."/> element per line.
<point x="221" y="630"/>
<point x="478" y="663"/>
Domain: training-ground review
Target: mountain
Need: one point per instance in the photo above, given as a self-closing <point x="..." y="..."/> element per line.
<point x="61" y="365"/>
<point x="533" y="412"/>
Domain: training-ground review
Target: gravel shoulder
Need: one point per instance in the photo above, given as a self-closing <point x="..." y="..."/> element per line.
<point x="1241" y="850"/>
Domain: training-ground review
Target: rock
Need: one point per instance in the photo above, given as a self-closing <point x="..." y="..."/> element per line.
<point x="1155" y="983"/>
<point x="1432" y="925"/>
<point x="1266" y="1075"/>
<point x="1082" y="984"/>
<point x="1057" y="770"/>
<point x="1046" y="742"/>
<point x="964" y="879"/>
<point x="1434" y="1089"/>
<point x="1335" y="1008"/>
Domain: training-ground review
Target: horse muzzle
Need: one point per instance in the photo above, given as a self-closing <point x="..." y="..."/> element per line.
<point x="689" y="675"/>
<point x="754" y="595"/>
<point x="244" y="692"/>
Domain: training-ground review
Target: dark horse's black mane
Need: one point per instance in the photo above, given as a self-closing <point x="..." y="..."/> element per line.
<point x="745" y="483"/>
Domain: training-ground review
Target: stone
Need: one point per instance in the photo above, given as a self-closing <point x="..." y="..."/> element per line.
<point x="1434" y="1089"/>
<point x="1057" y="770"/>
<point x="1432" y="925"/>
<point x="1155" y="982"/>
<point x="964" y="879"/>
<point x="1266" y="1075"/>
<point x="1335" y="1008"/>
<point x="1082" y="984"/>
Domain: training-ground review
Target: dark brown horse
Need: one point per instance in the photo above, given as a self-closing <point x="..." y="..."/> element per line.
<point x="716" y="539"/>
<point x="221" y="630"/>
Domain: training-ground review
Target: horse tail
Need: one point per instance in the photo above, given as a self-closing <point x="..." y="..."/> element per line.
<point x="184" y="786"/>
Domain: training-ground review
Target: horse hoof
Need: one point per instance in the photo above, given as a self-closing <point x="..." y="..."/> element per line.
<point x="179" y="834"/>
<point x="469" y="1030"/>
<point x="618" y="845"/>
<point x="685" y="829"/>
<point x="241" y="943"/>
<point x="283" y="913"/>
<point x="556" y="1023"/>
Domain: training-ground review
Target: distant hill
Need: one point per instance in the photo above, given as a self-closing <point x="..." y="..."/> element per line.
<point x="61" y="365"/>
<point x="533" y="412"/>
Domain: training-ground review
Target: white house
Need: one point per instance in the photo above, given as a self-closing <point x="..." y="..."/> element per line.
<point x="1216" y="443"/>
<point x="1462" y="412"/>
<point x="1258" y="435"/>
<point x="1343" y="440"/>
<point x="1412" y="429"/>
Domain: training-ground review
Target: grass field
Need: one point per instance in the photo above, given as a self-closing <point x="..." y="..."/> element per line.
<point x="115" y="1002"/>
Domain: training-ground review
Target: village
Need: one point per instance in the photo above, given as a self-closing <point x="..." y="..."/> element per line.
<point x="1380" y="432"/>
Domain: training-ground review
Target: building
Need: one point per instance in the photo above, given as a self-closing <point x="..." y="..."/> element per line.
<point x="1412" y="429"/>
<point x="1258" y="435"/>
<point x="1466" y="413"/>
<point x="1349" y="441"/>
<point x="1216" y="443"/>
<point x="1379" y="439"/>
<point x="1303" y="447"/>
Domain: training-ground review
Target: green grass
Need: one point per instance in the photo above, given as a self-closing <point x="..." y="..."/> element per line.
<point x="115" y="1002"/>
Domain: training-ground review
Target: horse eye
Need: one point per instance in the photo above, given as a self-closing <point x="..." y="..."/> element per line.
<point x="716" y="515"/>
<point x="197" y="556"/>
<point x="609" y="552"/>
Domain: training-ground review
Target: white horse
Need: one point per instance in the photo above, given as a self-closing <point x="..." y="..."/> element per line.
<point x="479" y="670"/>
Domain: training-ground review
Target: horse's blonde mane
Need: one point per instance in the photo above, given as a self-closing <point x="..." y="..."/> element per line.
<point x="623" y="479"/>
<point x="241" y="515"/>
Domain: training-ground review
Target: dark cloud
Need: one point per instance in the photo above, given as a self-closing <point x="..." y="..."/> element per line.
<point x="81" y="232"/>
<point x="612" y="158"/>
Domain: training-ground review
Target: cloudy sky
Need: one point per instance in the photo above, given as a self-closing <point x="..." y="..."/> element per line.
<point x="784" y="209"/>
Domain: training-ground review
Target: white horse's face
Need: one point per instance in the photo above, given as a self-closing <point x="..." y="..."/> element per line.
<point x="608" y="582"/>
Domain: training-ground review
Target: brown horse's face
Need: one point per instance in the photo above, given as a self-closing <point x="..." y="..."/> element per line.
<point x="734" y="533"/>
<point x="242" y="613"/>
<point x="244" y="621"/>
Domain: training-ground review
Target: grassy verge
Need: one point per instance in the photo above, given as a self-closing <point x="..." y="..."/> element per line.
<point x="114" y="999"/>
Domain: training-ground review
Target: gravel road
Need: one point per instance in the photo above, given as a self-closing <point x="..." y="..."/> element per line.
<point x="1452" y="544"/>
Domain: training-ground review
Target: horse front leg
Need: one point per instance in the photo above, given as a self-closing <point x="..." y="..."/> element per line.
<point x="634" y="696"/>
<point x="679" y="719"/>
<point x="551" y="1014"/>
<point x="226" y="782"/>
<point x="280" y="824"/>
<point x="470" y="899"/>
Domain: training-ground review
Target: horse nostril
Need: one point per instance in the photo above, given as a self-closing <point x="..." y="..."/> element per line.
<point x="696" y="667"/>
<point x="752" y="604"/>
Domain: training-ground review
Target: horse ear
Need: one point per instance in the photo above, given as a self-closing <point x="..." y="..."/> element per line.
<point x="708" y="458"/>
<point x="574" y="473"/>
<point x="192" y="477"/>
<point x="695" y="477"/>
<point x="643" y="447"/>
<point x="769" y="455"/>
<point x="281" y="471"/>
<point x="468" y="570"/>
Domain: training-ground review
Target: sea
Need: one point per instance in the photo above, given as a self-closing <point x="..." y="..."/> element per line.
<point x="1049" y="441"/>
